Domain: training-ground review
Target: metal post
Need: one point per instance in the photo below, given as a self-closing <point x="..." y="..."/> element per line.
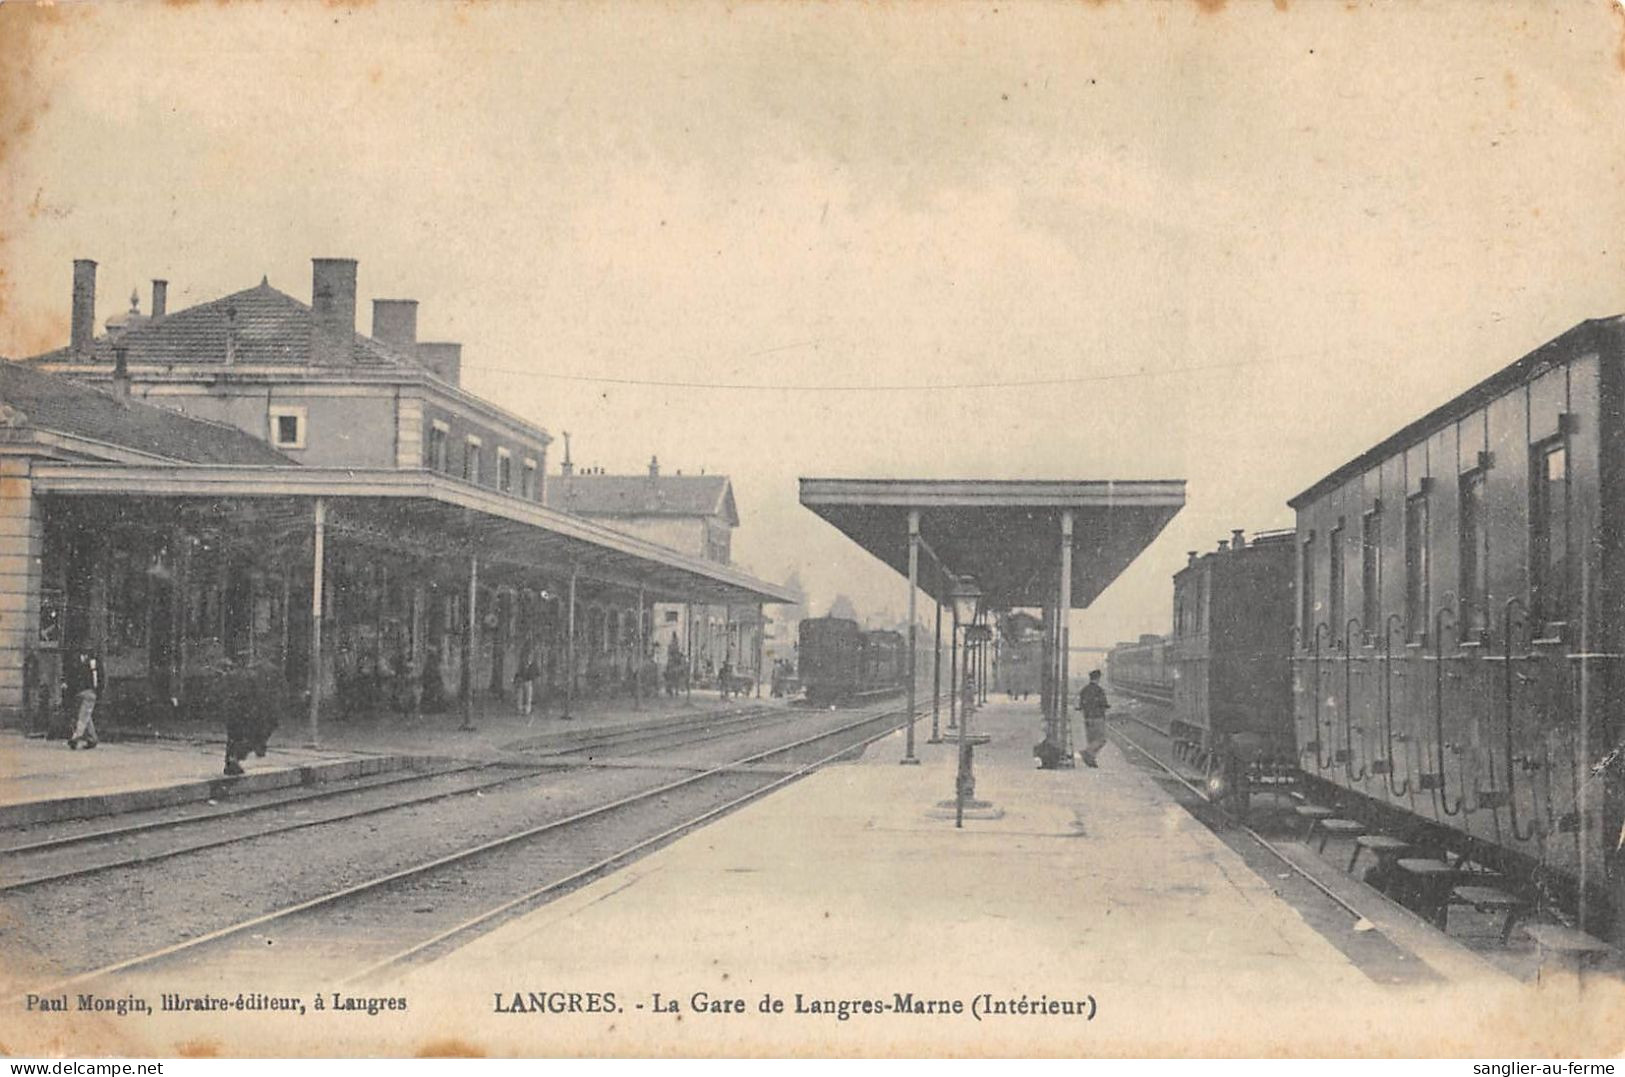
<point x="953" y="672"/>
<point x="317" y="583"/>
<point x="570" y="649"/>
<point x="469" y="650"/>
<point x="964" y="781"/>
<point x="637" y="664"/>
<point x="688" y="677"/>
<point x="760" y="624"/>
<point x="936" y="681"/>
<point x="913" y="591"/>
<point x="1064" y="628"/>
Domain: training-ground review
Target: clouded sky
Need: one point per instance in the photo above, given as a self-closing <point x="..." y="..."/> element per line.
<point x="1240" y="243"/>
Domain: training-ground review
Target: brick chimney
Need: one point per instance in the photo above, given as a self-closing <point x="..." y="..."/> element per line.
<point x="654" y="467"/>
<point x="160" y="298"/>
<point x="83" y="332"/>
<point x="395" y="321"/>
<point x="332" y="301"/>
<point x="444" y="361"/>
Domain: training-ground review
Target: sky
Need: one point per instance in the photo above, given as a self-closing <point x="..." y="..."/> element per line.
<point x="1235" y="243"/>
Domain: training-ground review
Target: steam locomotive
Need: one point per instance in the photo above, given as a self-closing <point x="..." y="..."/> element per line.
<point x="839" y="663"/>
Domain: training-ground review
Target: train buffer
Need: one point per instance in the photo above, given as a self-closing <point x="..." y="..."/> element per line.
<point x="1314" y="813"/>
<point x="1347" y="828"/>
<point x="1487" y="899"/>
<point x="1386" y="849"/>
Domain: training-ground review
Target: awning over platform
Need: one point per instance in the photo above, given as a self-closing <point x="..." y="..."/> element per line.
<point x="1006" y="534"/>
<point x="430" y="513"/>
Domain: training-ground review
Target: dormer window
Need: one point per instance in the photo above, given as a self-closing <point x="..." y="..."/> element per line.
<point x="288" y="427"/>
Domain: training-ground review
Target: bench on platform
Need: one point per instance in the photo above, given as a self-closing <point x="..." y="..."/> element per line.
<point x="1575" y="948"/>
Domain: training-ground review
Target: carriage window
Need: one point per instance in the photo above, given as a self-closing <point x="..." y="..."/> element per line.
<point x="1416" y="566"/>
<point x="1549" y="533"/>
<point x="1474" y="557"/>
<point x="1371" y="570"/>
<point x="1334" y="582"/>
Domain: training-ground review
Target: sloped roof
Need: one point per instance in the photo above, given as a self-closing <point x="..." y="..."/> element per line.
<point x="38" y="400"/>
<point x="644" y="495"/>
<point x="272" y="327"/>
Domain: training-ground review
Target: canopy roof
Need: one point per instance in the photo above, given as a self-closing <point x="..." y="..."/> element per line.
<point x="428" y="512"/>
<point x="1006" y="534"/>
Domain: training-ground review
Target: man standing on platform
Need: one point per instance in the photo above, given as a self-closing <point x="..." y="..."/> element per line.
<point x="1092" y="704"/>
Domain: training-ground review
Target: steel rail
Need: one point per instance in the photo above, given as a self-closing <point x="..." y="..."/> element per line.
<point x="531" y="770"/>
<point x="442" y="861"/>
<point x="514" y="905"/>
<point x="1249" y="831"/>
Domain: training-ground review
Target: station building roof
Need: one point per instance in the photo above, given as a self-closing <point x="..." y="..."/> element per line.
<point x="92" y="421"/>
<point x="1004" y="533"/>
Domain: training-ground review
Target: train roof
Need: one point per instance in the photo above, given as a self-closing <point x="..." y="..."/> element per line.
<point x="1604" y="335"/>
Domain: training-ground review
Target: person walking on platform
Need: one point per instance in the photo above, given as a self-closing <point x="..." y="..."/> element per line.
<point x="524" y="682"/>
<point x="82" y="683"/>
<point x="1093" y="706"/>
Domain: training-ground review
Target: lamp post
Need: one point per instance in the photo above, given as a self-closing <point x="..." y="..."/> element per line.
<point x="967" y="601"/>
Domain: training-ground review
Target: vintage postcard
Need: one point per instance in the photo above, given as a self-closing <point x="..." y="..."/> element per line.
<point x="733" y="529"/>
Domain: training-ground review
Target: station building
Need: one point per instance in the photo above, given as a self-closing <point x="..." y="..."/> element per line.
<point x="694" y="514"/>
<point x="249" y="489"/>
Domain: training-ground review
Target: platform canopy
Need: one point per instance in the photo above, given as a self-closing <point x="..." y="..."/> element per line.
<point x="1005" y="534"/>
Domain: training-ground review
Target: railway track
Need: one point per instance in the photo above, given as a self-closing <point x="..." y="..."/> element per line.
<point x="20" y="864"/>
<point x="426" y="907"/>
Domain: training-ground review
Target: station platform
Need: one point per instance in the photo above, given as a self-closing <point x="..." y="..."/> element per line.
<point x="42" y="781"/>
<point x="1092" y="890"/>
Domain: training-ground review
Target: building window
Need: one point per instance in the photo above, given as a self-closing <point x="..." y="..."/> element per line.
<point x="471" y="460"/>
<point x="438" y="452"/>
<point x="504" y="470"/>
<point x="527" y="480"/>
<point x="1474" y="583"/>
<point x="1334" y="582"/>
<point x="288" y="427"/>
<point x="1549" y="533"/>
<point x="1306" y="594"/>
<point x="1416" y="566"/>
<point x="1371" y="570"/>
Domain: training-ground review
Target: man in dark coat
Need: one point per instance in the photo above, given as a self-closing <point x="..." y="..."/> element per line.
<point x="81" y="687"/>
<point x="1093" y="706"/>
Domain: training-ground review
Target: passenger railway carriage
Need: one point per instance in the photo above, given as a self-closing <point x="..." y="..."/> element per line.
<point x="1450" y="641"/>
<point x="1461" y="592"/>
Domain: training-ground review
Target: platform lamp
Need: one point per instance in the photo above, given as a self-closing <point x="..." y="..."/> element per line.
<point x="967" y="603"/>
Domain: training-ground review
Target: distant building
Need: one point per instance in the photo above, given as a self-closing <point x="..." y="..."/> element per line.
<point x="693" y="514"/>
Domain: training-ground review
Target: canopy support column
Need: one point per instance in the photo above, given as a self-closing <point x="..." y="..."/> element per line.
<point x="637" y="663"/>
<point x="469" y="651"/>
<point x="317" y="583"/>
<point x="760" y="625"/>
<point x="570" y="648"/>
<point x="1061" y="737"/>
<point x="909" y="757"/>
<point x="936" y="682"/>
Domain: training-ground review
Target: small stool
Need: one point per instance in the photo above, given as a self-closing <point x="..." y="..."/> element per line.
<point x="1489" y="899"/>
<point x="1345" y="827"/>
<point x="1314" y="813"/>
<point x="1433" y="881"/>
<point x="1576" y="946"/>
<point x="1387" y="850"/>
